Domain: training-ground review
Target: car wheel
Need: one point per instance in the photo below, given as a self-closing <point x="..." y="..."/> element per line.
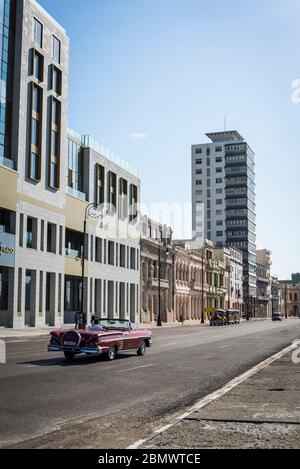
<point x="111" y="354"/>
<point x="142" y="349"/>
<point x="69" y="356"/>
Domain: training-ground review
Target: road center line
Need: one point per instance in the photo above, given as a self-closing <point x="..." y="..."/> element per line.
<point x="215" y="395"/>
<point x="135" y="368"/>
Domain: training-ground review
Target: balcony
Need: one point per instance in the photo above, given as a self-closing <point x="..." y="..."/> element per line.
<point x="72" y="253"/>
<point x="164" y="283"/>
<point x="77" y="194"/>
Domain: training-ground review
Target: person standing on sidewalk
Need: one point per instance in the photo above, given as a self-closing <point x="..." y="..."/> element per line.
<point x="77" y="319"/>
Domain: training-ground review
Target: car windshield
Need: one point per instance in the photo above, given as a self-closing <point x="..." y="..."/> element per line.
<point x="115" y="324"/>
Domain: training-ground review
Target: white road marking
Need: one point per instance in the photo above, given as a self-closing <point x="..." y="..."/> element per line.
<point x="225" y="346"/>
<point x="30" y="366"/>
<point x="171" y="343"/>
<point x="135" y="368"/>
<point x="215" y="395"/>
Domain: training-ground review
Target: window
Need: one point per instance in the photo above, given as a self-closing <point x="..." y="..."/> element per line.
<point x="111" y="253"/>
<point x="133" y="202"/>
<point x="37" y="65"/>
<point x="56" y="49"/>
<point x="132" y="259"/>
<point x="198" y="171"/>
<point x="199" y="161"/>
<point x="218" y="149"/>
<point x="29" y="233"/>
<point x="100" y="183"/>
<point x="219" y="222"/>
<point x="73" y="243"/>
<point x="208" y="172"/>
<point x="38" y="33"/>
<point x="219" y="181"/>
<point x="208" y="214"/>
<point x="51" y="238"/>
<point x="34" y="166"/>
<point x="208" y="192"/>
<point x="198" y="151"/>
<point x="207" y="151"/>
<point x="199" y="192"/>
<point x="3" y="289"/>
<point x="35" y="133"/>
<point x="219" y="191"/>
<point x="111" y="191"/>
<point x="219" y="234"/>
<point x="219" y="212"/>
<point x="219" y="159"/>
<point x="218" y="169"/>
<point x="5" y="225"/>
<point x="75" y="167"/>
<point x="56" y="80"/>
<point x="54" y="154"/>
<point x="122" y="255"/>
<point x="123" y="198"/>
<point x="98" y="250"/>
<point x="199" y="182"/>
<point x="219" y="201"/>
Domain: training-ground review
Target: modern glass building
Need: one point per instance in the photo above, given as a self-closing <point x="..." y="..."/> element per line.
<point x="7" y="25"/>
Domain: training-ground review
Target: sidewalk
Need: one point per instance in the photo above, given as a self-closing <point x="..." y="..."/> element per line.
<point x="32" y="332"/>
<point x="262" y="412"/>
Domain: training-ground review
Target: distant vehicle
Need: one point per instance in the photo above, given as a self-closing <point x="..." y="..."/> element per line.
<point x="105" y="336"/>
<point x="276" y="317"/>
<point x="245" y="316"/>
<point x="218" y="318"/>
<point x="232" y="316"/>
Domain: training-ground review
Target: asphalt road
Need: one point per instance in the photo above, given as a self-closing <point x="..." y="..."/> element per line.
<point x="48" y="403"/>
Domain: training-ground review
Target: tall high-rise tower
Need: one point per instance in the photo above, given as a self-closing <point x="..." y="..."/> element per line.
<point x="223" y="185"/>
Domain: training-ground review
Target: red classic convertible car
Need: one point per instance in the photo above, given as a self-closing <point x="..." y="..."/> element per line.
<point x="107" y="336"/>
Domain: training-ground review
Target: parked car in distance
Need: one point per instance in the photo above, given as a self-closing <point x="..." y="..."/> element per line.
<point x="277" y="317"/>
<point x="105" y="336"/>
<point x="218" y="318"/>
<point x="232" y="316"/>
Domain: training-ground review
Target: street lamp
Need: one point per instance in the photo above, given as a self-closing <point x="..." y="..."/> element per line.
<point x="92" y="210"/>
<point x="162" y="243"/>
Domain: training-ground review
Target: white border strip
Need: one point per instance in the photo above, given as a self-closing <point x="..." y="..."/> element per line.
<point x="215" y="395"/>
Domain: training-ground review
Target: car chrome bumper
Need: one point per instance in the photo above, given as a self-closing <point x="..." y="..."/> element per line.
<point x="59" y="348"/>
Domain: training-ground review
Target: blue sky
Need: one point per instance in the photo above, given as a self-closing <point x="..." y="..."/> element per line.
<point x="171" y="70"/>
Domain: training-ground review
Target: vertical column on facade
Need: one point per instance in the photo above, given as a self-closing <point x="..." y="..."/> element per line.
<point x="10" y="306"/>
<point x="116" y="298"/>
<point x="42" y="296"/>
<point x="19" y="298"/>
<point x="39" y="293"/>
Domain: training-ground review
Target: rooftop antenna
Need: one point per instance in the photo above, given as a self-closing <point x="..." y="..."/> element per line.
<point x="224" y="123"/>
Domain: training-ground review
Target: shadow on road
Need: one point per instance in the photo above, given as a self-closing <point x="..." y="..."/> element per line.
<point x="78" y="361"/>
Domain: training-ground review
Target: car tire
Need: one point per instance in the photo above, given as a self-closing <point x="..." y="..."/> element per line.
<point x="69" y="356"/>
<point x="111" y="354"/>
<point x="142" y="349"/>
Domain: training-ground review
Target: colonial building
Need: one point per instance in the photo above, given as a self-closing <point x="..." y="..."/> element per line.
<point x="157" y="272"/>
<point x="49" y="176"/>
<point x="264" y="283"/>
<point x="291" y="295"/>
<point x="200" y="280"/>
<point x="233" y="268"/>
